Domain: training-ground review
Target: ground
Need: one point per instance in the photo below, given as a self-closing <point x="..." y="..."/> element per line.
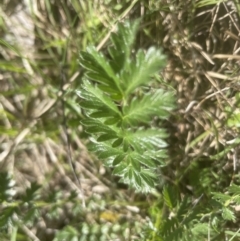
<point x="43" y="146"/>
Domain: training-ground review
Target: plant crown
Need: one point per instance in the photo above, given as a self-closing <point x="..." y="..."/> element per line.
<point x="120" y="106"/>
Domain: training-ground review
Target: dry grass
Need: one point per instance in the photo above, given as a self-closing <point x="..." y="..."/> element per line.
<point x="40" y="116"/>
<point x="41" y="140"/>
<point x="203" y="67"/>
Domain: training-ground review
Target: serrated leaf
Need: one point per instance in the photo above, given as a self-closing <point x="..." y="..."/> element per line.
<point x="126" y="176"/>
<point x="97" y="63"/>
<point x="148" y="172"/>
<point x="137" y="179"/>
<point x="6" y="216"/>
<point x="93" y="130"/>
<point x="222" y="198"/>
<point x="201" y="228"/>
<point x="227" y="214"/>
<point x="97" y="77"/>
<point x="123" y="40"/>
<point x="142" y="140"/>
<point x="89" y="105"/>
<point x="183" y="208"/>
<point x="158" y="156"/>
<point x="101" y="97"/>
<point x="106" y="137"/>
<point x="146" y="65"/>
<point x="88" y="101"/>
<point x="101" y="114"/>
<point x="112" y="121"/>
<point x="143" y="159"/>
<point x="125" y="145"/>
<point x="118" y="159"/>
<point x="117" y="143"/>
<point x="148" y="180"/>
<point x="31" y="192"/>
<point x="110" y="89"/>
<point x="104" y="150"/>
<point x="113" y="125"/>
<point x="169" y="228"/>
<point x="135" y="164"/>
<point x="96" y="126"/>
<point x="130" y="174"/>
<point x="234" y="189"/>
<point x="153" y="104"/>
<point x="120" y="169"/>
<point x="108" y="153"/>
<point x="88" y="62"/>
<point x="141" y="180"/>
<point x="6" y="186"/>
<point x="170" y="197"/>
<point x="89" y="122"/>
<point x="236" y="199"/>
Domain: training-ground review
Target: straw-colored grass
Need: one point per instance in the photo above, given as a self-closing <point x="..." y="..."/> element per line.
<point x="41" y="139"/>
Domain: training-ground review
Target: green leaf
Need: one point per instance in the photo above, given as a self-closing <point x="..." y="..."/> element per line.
<point x="234" y="189"/>
<point x="159" y="156"/>
<point x="104" y="149"/>
<point x="201" y="229"/>
<point x="117" y="143"/>
<point x="118" y="159"/>
<point x="149" y="181"/>
<point x="128" y="176"/>
<point x="6" y="216"/>
<point x="31" y="192"/>
<point x="6" y="186"/>
<point x="123" y="40"/>
<point x="141" y="182"/>
<point x="110" y="91"/>
<point x="125" y="145"/>
<point x="170" y="196"/>
<point x="143" y="159"/>
<point x="135" y="163"/>
<point x="143" y="110"/>
<point x="137" y="179"/>
<point x="120" y="169"/>
<point x="88" y="101"/>
<point x="227" y="214"/>
<point x="183" y="208"/>
<point x="99" y="96"/>
<point x="112" y="121"/>
<point x="222" y="198"/>
<point x="96" y="126"/>
<point x="95" y="62"/>
<point x="236" y="199"/>
<point x="101" y="114"/>
<point x="88" y="105"/>
<point x="146" y="65"/>
<point x="89" y="122"/>
<point x="108" y="153"/>
<point x="142" y="140"/>
<point x="106" y="137"/>
<point x="115" y="114"/>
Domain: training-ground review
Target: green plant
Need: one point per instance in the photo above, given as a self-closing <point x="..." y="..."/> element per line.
<point x="124" y="108"/>
<point x="178" y="218"/>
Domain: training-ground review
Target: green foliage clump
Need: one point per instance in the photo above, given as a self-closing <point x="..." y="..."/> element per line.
<point x="121" y="103"/>
<point x="179" y="218"/>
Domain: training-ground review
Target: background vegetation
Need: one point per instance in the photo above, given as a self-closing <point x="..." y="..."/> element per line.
<point x="52" y="188"/>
